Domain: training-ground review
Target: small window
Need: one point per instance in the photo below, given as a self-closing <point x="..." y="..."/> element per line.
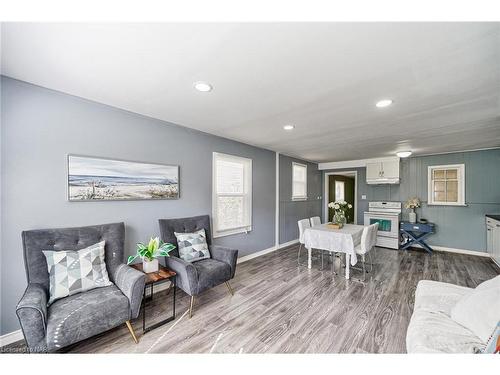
<point x="299" y="181"/>
<point x="231" y="195"/>
<point x="446" y="185"/>
<point x="339" y="191"/>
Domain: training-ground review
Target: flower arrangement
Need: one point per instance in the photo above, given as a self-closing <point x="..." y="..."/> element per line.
<point x="412" y="203"/>
<point x="154" y="249"/>
<point x="339" y="208"/>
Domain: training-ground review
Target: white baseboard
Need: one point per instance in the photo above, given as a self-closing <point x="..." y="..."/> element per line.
<point x="266" y="251"/>
<point x="15" y="336"/>
<point x="457" y="251"/>
<point x="11" y="337"/>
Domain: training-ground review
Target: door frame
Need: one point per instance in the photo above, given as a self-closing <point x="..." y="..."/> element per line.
<point x="325" y="192"/>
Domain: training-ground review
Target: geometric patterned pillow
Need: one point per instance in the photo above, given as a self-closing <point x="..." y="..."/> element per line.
<point x="192" y="246"/>
<point x="72" y="272"/>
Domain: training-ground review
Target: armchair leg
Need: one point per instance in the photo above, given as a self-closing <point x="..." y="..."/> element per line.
<point x="191" y="307"/>
<point x="131" y="330"/>
<point x="229" y="288"/>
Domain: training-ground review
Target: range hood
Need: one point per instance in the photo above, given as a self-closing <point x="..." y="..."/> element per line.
<point x="383" y="172"/>
<point x="381" y="181"/>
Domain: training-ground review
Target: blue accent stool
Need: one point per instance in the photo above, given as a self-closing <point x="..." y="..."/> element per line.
<point x="416" y="234"/>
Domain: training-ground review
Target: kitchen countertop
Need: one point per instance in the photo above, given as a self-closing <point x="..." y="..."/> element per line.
<point x="495" y="217"/>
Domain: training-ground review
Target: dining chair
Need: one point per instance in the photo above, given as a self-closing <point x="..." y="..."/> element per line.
<point x="303" y="225"/>
<point x="315" y="220"/>
<point x="367" y="244"/>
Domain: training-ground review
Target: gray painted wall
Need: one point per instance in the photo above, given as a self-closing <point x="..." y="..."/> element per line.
<point x="40" y="126"/>
<point x="292" y="211"/>
<point x="457" y="227"/>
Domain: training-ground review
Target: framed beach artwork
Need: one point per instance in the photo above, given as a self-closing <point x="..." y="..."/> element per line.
<point x="99" y="179"/>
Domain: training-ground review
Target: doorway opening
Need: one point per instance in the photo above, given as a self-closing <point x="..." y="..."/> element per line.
<point x="341" y="186"/>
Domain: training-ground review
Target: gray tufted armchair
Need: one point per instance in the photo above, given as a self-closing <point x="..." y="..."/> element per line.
<point x="196" y="277"/>
<point x="77" y="317"/>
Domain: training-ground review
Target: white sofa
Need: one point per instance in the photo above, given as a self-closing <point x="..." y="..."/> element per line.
<point x="431" y="328"/>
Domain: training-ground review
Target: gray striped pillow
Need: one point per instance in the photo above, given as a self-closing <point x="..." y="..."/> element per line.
<point x="72" y="272"/>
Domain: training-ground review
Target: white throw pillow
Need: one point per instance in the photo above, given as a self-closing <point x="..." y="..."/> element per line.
<point x="192" y="246"/>
<point x="479" y="310"/>
<point x="72" y="272"/>
<point x="491" y="283"/>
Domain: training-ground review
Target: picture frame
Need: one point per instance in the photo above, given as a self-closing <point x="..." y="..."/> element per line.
<point x="96" y="179"/>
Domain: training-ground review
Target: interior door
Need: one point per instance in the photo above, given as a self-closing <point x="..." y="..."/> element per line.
<point x="342" y="188"/>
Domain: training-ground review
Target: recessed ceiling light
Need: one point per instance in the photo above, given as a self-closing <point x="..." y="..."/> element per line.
<point x="384" y="103"/>
<point x="288" y="127"/>
<point x="202" y="86"/>
<point x="403" y="154"/>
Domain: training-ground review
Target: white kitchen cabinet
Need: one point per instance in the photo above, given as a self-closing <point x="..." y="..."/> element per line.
<point x="382" y="172"/>
<point x="390" y="169"/>
<point x="493" y="239"/>
<point x="373" y="171"/>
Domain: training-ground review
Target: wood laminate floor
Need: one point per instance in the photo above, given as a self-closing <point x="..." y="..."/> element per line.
<point x="279" y="307"/>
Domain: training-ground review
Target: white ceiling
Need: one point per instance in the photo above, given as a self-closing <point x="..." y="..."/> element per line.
<point x="322" y="77"/>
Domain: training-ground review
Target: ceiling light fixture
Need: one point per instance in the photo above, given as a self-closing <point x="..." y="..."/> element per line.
<point x="202" y="86"/>
<point x="288" y="127"/>
<point x="384" y="103"/>
<point x="403" y="154"/>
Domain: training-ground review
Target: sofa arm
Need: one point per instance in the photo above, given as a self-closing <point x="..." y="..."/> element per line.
<point x="226" y="255"/>
<point x="32" y="314"/>
<point x="131" y="282"/>
<point x="187" y="276"/>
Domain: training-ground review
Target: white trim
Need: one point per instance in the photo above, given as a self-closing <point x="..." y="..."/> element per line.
<point x="15" y="336"/>
<point x="266" y="251"/>
<point x="362" y="162"/>
<point x="277" y="207"/>
<point x="299" y="197"/>
<point x="457" y="251"/>
<point x="457" y="152"/>
<point x="11" y="337"/>
<point x="247" y="196"/>
<point x="353" y="163"/>
<point x="461" y="185"/>
<point x="325" y="192"/>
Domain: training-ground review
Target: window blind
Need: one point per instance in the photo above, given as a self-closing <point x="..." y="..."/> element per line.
<point x="232" y="194"/>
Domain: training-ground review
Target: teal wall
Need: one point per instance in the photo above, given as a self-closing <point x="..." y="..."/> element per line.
<point x="457" y="227"/>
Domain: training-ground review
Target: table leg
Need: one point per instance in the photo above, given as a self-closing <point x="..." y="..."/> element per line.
<point x="347" y="262"/>
<point x="308" y="258"/>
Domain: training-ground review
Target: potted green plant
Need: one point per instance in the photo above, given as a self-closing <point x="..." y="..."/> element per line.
<point x="149" y="254"/>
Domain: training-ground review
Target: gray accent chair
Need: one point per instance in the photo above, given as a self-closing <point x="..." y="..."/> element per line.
<point x="80" y="316"/>
<point x="196" y="277"/>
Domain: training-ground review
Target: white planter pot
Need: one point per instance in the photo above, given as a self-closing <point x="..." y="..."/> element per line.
<point x="412" y="216"/>
<point x="149" y="266"/>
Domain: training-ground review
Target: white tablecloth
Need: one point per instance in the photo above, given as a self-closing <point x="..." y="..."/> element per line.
<point x="343" y="240"/>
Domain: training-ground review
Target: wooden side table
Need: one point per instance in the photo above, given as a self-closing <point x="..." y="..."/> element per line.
<point x="153" y="278"/>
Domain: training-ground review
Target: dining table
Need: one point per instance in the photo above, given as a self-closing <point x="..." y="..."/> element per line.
<point x="326" y="237"/>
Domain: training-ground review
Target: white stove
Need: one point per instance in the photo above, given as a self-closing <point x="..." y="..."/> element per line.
<point x="387" y="215"/>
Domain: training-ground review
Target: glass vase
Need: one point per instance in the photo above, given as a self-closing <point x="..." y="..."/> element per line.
<point x="339" y="219"/>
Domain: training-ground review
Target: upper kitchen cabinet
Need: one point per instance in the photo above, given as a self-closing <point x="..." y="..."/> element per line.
<point x="383" y="172"/>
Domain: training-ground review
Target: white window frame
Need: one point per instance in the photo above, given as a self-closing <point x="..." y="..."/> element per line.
<point x="299" y="197"/>
<point x="461" y="185"/>
<point x="343" y="189"/>
<point x="247" y="195"/>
